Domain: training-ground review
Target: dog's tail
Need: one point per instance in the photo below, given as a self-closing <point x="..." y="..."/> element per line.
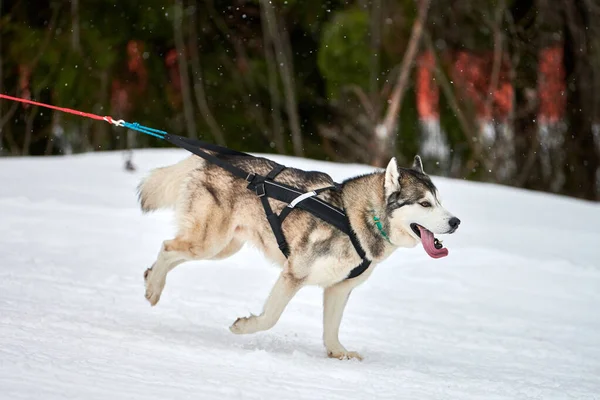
<point x="163" y="186"/>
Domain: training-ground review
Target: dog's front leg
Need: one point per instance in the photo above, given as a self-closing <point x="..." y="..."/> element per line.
<point x="285" y="288"/>
<point x="334" y="301"/>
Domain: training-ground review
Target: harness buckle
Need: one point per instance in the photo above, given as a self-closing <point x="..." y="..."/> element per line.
<point x="260" y="190"/>
<point x="258" y="185"/>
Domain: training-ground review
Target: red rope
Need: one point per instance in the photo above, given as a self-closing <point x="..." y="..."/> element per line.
<point x="67" y="110"/>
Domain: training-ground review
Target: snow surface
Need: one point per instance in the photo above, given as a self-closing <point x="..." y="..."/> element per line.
<point x="512" y="313"/>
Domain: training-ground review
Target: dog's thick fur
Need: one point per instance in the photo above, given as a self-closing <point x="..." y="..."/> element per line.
<point x="216" y="214"/>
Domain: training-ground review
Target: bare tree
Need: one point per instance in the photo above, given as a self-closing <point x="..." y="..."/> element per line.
<point x="284" y="62"/>
<point x="28" y="130"/>
<point x="386" y="130"/>
<point x="203" y="107"/>
<point x="376" y="28"/>
<point x="582" y="159"/>
<point x="357" y="124"/>
<point x="498" y="51"/>
<point x="183" y="70"/>
<point x="277" y="129"/>
<point x="4" y="118"/>
<point x="465" y="123"/>
<point x="502" y="154"/>
<point x="30" y="118"/>
<point x="75" y="40"/>
<point x="101" y="131"/>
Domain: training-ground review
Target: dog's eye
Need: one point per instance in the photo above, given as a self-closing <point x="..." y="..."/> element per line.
<point x="425" y="204"/>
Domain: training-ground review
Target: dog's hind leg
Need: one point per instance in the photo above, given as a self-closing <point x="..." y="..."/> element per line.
<point x="284" y="290"/>
<point x="205" y="231"/>
<point x="179" y="250"/>
<point x="172" y="253"/>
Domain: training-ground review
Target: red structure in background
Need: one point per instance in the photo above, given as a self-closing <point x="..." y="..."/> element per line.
<point x="136" y="66"/>
<point x="551" y="85"/>
<point x="428" y="93"/>
<point x="473" y="74"/>
<point x="472" y="77"/>
<point x="135" y="81"/>
<point x="174" y="90"/>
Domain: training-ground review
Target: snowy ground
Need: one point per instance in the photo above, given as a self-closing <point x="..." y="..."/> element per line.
<point x="512" y="313"/>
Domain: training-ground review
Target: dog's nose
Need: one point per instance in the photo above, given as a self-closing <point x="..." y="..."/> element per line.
<point x="454" y="222"/>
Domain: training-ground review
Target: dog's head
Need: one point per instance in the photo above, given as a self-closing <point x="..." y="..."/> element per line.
<point x="414" y="209"/>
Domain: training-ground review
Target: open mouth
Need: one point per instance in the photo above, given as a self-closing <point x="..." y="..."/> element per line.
<point x="430" y="243"/>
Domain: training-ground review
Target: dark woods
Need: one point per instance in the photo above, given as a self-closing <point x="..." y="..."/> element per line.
<point x="503" y="91"/>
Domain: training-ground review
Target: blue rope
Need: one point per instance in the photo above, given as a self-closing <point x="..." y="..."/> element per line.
<point x="144" y="129"/>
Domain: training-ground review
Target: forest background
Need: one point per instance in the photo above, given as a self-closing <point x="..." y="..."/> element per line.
<point x="504" y="91"/>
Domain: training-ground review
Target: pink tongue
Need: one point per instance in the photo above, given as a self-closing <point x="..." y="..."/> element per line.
<point x="429" y="246"/>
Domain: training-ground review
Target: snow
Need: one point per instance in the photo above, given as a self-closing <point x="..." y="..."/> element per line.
<point x="511" y="313"/>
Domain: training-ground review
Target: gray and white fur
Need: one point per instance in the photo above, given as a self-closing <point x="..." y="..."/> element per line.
<point x="216" y="214"/>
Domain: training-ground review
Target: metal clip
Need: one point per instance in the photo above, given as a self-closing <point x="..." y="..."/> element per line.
<point x="260" y="190"/>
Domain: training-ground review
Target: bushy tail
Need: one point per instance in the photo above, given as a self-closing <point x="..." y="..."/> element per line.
<point x="162" y="187"/>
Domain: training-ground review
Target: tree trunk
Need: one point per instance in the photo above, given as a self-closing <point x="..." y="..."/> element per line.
<point x="285" y="70"/>
<point x="203" y="107"/>
<point x="524" y="75"/>
<point x="376" y="27"/>
<point x="386" y="130"/>
<point x="28" y="131"/>
<point x="277" y="129"/>
<point x="465" y="122"/>
<point x="582" y="158"/>
<point x="75" y="41"/>
<point x="80" y="127"/>
<point x="188" y="110"/>
<point x="102" y="131"/>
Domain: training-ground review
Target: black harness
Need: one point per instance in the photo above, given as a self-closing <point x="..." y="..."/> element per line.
<point x="265" y="187"/>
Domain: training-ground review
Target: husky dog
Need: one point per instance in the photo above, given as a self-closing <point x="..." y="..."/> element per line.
<point x="216" y="214"/>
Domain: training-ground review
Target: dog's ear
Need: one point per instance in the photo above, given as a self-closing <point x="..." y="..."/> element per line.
<point x="418" y="164"/>
<point x="392" y="177"/>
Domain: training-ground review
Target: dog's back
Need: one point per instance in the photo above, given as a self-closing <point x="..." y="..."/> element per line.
<point x="163" y="187"/>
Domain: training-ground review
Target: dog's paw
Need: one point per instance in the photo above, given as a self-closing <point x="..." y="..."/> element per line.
<point x="243" y="325"/>
<point x="152" y="296"/>
<point x="239" y="326"/>
<point x="153" y="289"/>
<point x="344" y="355"/>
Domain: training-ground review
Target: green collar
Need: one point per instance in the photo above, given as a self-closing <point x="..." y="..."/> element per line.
<point x="380" y="227"/>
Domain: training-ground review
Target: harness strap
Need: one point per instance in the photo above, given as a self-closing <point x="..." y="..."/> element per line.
<point x="265" y="187"/>
<point x="194" y="146"/>
<point x="275" y="171"/>
<point x="275" y="227"/>
<point x="364" y="265"/>
<point x="210" y="146"/>
<point x="257" y="183"/>
<point x="286" y="211"/>
<point x="361" y="252"/>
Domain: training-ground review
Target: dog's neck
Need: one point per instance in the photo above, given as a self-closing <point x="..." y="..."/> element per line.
<point x="364" y="198"/>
